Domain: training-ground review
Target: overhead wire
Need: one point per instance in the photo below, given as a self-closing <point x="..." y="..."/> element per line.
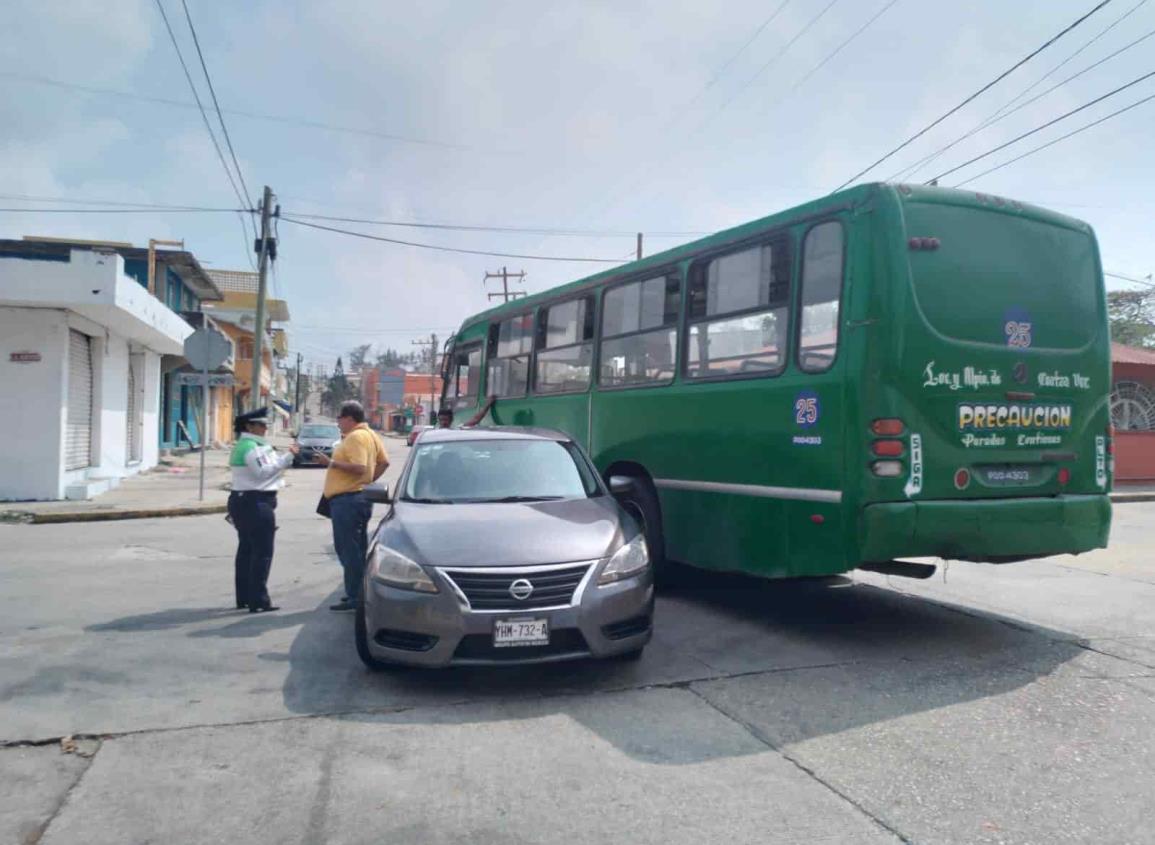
<point x="972" y="97"/>
<point x="126" y="211"/>
<point x="367" y="236"/>
<point x="1147" y="281"/>
<point x="528" y="230"/>
<point x="1046" y="125"/>
<point x="140" y="205"/>
<point x="1003" y="113"/>
<point x="217" y="105"/>
<point x="1052" y="143"/>
<point x="287" y="120"/>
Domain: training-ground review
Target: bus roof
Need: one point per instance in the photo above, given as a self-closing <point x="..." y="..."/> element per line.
<point x="857" y="195"/>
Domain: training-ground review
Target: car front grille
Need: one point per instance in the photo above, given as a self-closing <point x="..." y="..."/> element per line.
<point x="489" y="589"/>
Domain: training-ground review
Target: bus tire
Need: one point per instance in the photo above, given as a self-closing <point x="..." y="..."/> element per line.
<point x="642" y="504"/>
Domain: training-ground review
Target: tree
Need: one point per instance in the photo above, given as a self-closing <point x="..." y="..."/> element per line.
<point x="1132" y="316"/>
<point x="391" y="359"/>
<point x="338" y="391"/>
<point x="357" y="357"/>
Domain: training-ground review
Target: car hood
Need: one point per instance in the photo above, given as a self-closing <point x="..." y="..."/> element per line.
<point x="318" y="441"/>
<point x="513" y="534"/>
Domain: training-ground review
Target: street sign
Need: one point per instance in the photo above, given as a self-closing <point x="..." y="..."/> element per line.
<point x="207" y="349"/>
<point x="215" y="379"/>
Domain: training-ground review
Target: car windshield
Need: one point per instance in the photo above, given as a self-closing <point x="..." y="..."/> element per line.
<point x="329" y="431"/>
<point x="498" y="471"/>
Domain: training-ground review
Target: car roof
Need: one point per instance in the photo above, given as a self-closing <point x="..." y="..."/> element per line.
<point x="496" y="432"/>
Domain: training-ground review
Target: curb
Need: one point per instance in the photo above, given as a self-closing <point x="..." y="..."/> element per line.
<point x="52" y="517"/>
<point x="1131" y="498"/>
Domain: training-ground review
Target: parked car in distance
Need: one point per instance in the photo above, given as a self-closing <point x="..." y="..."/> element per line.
<point x="415" y="432"/>
<point x="316" y="437"/>
<point x="503" y="545"/>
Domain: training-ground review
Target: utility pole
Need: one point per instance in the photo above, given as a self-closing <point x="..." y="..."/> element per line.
<point x="432" y="344"/>
<point x="505" y="276"/>
<point x="297" y="396"/>
<point x="266" y="248"/>
<point x="639" y="246"/>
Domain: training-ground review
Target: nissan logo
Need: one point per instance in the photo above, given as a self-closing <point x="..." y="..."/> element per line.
<point x="521" y="589"/>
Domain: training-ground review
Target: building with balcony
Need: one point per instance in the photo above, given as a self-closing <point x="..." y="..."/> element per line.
<point x="84" y="327"/>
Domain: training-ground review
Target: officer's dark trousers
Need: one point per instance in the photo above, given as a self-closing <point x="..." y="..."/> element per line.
<point x="253" y="517"/>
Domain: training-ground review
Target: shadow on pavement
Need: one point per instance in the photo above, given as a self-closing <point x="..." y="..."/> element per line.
<point x="840" y="657"/>
<point x="163" y="620"/>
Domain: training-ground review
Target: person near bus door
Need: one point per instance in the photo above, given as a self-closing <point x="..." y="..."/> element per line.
<point x="257" y="471"/>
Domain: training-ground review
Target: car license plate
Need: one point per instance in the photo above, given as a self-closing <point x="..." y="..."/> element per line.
<point x="513" y="632"/>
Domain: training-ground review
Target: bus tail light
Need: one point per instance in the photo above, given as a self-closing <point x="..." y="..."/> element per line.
<point x="889" y="427"/>
<point x="887" y="448"/>
<point x="962" y="479"/>
<point x="1064" y="477"/>
<point x="887" y="469"/>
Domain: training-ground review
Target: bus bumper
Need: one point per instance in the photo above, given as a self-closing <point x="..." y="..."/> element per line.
<point x="985" y="529"/>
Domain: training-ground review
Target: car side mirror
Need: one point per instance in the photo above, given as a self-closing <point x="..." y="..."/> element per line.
<point x="621" y="485"/>
<point x="378" y="494"/>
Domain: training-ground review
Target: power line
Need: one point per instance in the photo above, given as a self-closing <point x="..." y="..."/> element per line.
<point x="726" y="65"/>
<point x="1002" y="114"/>
<point x="972" y="97"/>
<point x="140" y="205"/>
<point x="1057" y="140"/>
<point x="127" y="211"/>
<point x="527" y="230"/>
<point x="288" y="120"/>
<point x="831" y="55"/>
<point x="1046" y="125"/>
<point x="1147" y="281"/>
<point x="772" y="60"/>
<point x="369" y="237"/>
<point x="217" y="106"/>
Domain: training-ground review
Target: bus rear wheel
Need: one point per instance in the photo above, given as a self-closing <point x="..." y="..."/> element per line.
<point x="642" y="504"/>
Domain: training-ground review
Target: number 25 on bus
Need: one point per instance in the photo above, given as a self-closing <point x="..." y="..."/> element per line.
<point x="887" y="372"/>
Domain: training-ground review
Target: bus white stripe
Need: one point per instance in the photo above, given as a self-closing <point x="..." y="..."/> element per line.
<point x="805" y="494"/>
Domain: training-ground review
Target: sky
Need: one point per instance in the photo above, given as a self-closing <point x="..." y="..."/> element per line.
<point x="668" y="117"/>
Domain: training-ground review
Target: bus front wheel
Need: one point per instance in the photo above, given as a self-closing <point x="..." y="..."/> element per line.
<point x="642" y="504"/>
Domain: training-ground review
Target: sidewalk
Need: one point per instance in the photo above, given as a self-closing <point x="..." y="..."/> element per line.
<point x="166" y="490"/>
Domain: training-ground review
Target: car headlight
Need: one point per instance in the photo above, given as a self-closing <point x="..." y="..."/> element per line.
<point x="627" y="561"/>
<point x="396" y="570"/>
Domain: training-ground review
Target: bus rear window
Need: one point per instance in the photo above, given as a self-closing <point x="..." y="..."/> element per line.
<point x="1004" y="280"/>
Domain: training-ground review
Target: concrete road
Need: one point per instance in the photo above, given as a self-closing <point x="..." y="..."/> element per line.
<point x="997" y="704"/>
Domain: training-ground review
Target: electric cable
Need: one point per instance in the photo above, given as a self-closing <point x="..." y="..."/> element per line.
<point x="217" y="105"/>
<point x="369" y="237"/>
<point x="140" y="205"/>
<point x="527" y="230"/>
<point x="973" y="96"/>
<point x="906" y="172"/>
<point x="127" y="211"/>
<point x="1052" y="143"/>
<point x="1046" y="125"/>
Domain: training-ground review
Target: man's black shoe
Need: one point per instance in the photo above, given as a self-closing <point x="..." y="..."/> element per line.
<point x="263" y="608"/>
<point x="344" y="604"/>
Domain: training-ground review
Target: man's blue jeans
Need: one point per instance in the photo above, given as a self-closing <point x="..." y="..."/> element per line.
<point x="350" y="514"/>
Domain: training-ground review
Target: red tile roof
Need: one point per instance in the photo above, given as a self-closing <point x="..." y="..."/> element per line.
<point x="1121" y="354"/>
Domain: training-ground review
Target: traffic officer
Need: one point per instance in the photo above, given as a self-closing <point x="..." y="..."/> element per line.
<point x="257" y="471"/>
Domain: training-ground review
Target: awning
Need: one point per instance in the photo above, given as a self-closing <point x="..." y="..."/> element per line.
<point x="277" y="407"/>
<point x="283" y="405"/>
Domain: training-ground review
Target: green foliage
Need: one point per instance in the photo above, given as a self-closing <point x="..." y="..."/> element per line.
<point x="338" y="391"/>
<point x="1132" y="317"/>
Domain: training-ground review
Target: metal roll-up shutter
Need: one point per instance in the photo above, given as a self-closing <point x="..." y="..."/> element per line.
<point x="133" y="412"/>
<point x="78" y="429"/>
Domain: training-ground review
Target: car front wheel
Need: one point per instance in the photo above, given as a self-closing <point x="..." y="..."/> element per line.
<point x="361" y="634"/>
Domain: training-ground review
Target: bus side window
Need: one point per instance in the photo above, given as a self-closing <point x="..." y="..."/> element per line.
<point x="565" y="347"/>
<point x="640" y="331"/>
<point x="739" y="312"/>
<point x="510" y="343"/>
<point x="466" y="375"/>
<point x="821" y="292"/>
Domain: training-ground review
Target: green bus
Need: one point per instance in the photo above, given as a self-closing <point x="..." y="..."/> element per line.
<point x="888" y="372"/>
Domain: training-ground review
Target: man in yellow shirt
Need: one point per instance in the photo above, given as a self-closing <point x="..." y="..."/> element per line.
<point x="359" y="459"/>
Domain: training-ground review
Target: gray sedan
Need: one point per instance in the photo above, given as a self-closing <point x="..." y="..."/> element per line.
<point x="502" y="545"/>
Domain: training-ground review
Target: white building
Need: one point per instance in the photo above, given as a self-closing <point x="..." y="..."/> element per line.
<point x="81" y="342"/>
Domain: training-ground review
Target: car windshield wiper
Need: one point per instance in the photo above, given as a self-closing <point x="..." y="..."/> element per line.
<point x="523" y="499"/>
<point x="425" y="501"/>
